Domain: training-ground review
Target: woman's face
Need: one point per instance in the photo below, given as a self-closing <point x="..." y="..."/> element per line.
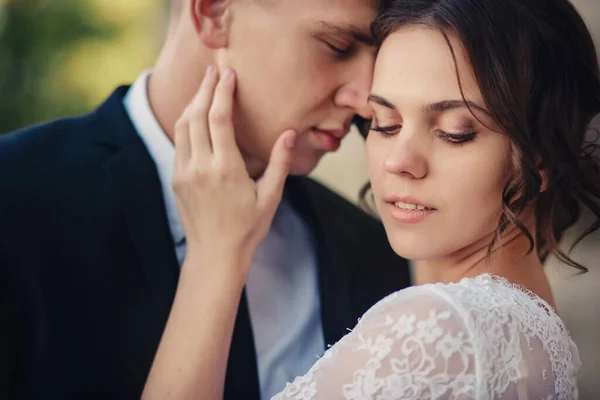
<point x="437" y="172"/>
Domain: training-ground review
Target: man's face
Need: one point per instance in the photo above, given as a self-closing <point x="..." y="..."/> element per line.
<point x="302" y="65"/>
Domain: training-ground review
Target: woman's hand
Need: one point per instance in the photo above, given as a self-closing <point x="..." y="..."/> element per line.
<point x="224" y="212"/>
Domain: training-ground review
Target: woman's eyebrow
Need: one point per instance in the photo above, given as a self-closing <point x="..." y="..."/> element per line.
<point x="437" y="107"/>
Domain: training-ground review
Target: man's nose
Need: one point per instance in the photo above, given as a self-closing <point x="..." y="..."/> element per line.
<point x="354" y="92"/>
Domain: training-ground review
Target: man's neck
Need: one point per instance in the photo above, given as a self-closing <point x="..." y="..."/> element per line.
<point x="169" y="95"/>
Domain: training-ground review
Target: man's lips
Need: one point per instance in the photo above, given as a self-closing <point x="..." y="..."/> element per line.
<point x="336" y="133"/>
<point x="328" y="140"/>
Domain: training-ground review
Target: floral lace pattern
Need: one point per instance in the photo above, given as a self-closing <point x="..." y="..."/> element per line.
<point x="482" y="338"/>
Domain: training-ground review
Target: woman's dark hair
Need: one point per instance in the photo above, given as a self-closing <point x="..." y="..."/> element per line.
<point x="536" y="67"/>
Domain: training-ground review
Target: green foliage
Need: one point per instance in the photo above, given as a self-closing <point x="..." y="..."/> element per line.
<point x="36" y="37"/>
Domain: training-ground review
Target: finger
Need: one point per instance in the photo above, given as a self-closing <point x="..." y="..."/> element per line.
<point x="201" y="147"/>
<point x="222" y="133"/>
<point x="270" y="186"/>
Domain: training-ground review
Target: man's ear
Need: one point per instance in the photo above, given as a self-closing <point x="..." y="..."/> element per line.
<point x="211" y="21"/>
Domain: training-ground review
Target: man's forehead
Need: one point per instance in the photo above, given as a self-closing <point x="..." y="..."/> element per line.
<point x="357" y="10"/>
<point x="340" y="3"/>
<point x="351" y="17"/>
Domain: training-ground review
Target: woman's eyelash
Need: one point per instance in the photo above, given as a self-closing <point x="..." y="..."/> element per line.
<point x="453" y="138"/>
<point x="457" y="138"/>
<point x="386" y="130"/>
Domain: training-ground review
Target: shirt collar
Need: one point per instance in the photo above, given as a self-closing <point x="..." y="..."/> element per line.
<point x="159" y="146"/>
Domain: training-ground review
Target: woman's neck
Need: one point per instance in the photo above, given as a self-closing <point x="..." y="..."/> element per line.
<point x="509" y="259"/>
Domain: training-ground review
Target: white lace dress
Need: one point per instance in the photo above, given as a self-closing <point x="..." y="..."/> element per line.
<point x="482" y="338"/>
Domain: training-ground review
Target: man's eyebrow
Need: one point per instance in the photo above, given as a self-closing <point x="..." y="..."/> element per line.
<point x="360" y="34"/>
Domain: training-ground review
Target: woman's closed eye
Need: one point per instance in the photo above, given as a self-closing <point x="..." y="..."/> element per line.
<point x="452" y="138"/>
<point x="457" y="138"/>
<point x="387" y="131"/>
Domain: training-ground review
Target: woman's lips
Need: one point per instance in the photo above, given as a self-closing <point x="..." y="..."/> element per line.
<point x="408" y="216"/>
<point x="408" y="209"/>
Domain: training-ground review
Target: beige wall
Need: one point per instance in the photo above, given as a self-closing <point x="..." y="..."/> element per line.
<point x="577" y="297"/>
<point x="590" y="11"/>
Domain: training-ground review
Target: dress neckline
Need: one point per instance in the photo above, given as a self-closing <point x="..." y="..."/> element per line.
<point x="492" y="281"/>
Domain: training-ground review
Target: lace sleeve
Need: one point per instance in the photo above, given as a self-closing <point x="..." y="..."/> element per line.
<point x="412" y="345"/>
<point x="480" y="338"/>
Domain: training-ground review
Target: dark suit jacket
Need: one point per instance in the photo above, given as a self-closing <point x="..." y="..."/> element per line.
<point x="88" y="268"/>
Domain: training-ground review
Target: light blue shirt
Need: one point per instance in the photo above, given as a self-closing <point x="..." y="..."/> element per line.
<point x="282" y="286"/>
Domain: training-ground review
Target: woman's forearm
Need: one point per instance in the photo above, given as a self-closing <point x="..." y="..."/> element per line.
<point x="192" y="356"/>
<point x="225" y="214"/>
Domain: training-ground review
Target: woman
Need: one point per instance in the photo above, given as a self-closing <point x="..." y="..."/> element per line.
<point x="478" y="164"/>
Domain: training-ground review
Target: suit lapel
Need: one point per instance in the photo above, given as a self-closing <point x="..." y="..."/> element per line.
<point x="241" y="379"/>
<point x="133" y="178"/>
<point x="135" y="183"/>
<point x="334" y="285"/>
<point x="132" y="174"/>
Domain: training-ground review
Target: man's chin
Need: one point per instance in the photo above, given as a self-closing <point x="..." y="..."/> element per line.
<point x="304" y="165"/>
<point x="300" y="171"/>
<point x="301" y="165"/>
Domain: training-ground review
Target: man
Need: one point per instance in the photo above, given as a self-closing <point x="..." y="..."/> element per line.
<point x="91" y="243"/>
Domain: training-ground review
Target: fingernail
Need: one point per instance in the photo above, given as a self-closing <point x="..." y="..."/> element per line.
<point x="290" y="140"/>
<point x="210" y="70"/>
<point x="227" y="73"/>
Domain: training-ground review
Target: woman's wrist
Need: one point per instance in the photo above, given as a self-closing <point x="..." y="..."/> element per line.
<point x="230" y="267"/>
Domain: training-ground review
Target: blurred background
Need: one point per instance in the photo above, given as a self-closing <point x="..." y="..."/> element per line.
<point x="59" y="58"/>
